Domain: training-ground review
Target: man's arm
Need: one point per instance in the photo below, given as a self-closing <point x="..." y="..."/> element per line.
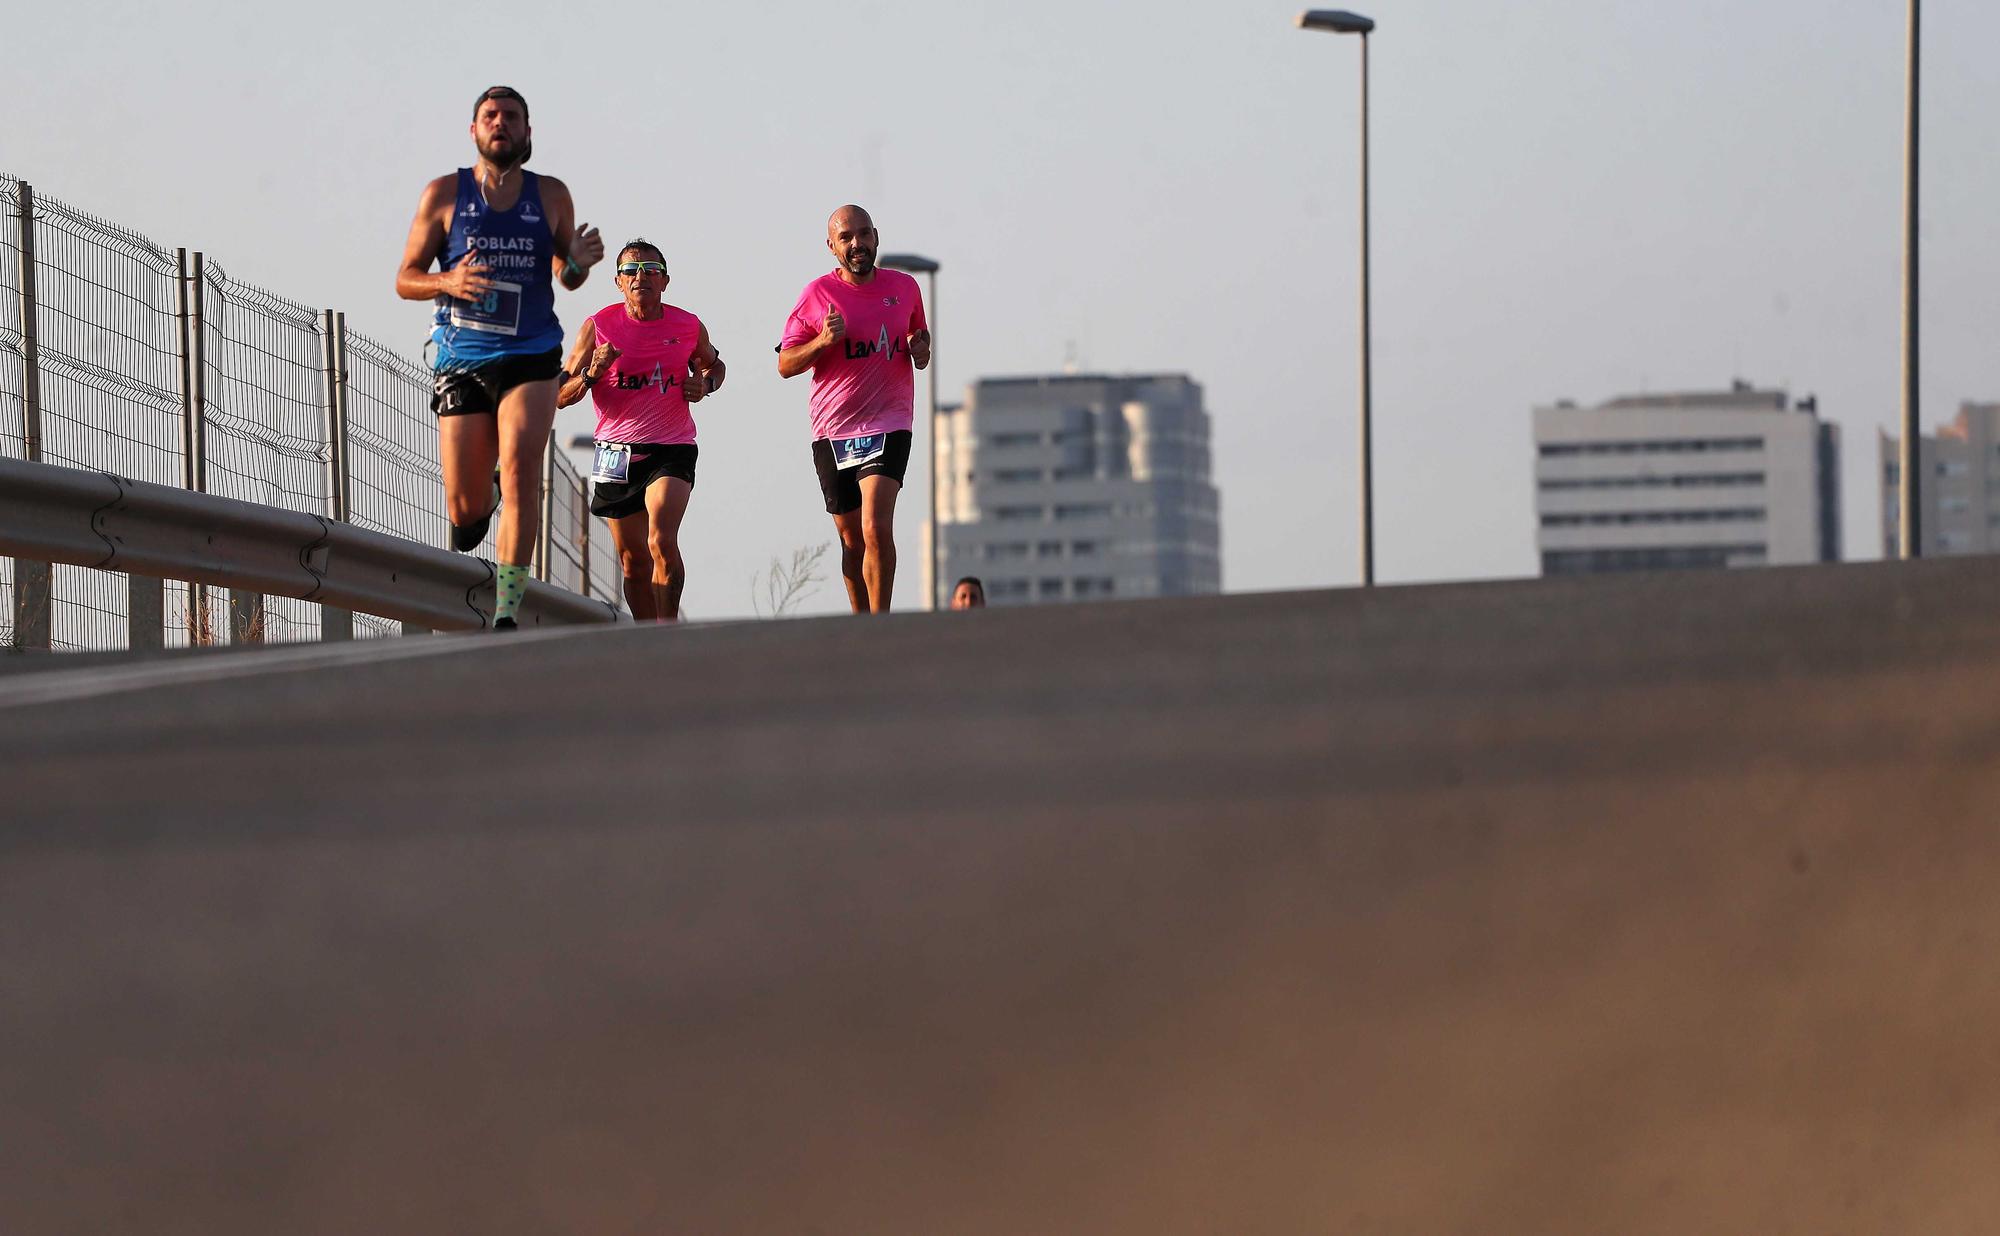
<point x="706" y="367"/>
<point x="575" y="381"/>
<point x="800" y="357"/>
<point x="414" y="278"/>
<point x="919" y="339"/>
<point x="577" y="248"/>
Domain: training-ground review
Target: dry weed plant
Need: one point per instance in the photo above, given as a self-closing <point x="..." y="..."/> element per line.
<point x="10" y="631"/>
<point x="786" y="585"/>
<point x="205" y="630"/>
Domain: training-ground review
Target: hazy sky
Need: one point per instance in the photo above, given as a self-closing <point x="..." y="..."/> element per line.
<point x="1573" y="199"/>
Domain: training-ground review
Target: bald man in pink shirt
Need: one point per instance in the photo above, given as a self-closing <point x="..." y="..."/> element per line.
<point x="860" y="330"/>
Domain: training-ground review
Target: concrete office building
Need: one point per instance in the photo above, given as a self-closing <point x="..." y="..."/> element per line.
<point x="1959" y="496"/>
<point x="1733" y="478"/>
<point x="1077" y="487"/>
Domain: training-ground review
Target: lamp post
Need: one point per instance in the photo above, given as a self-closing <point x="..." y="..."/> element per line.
<point x="918" y="265"/>
<point x="1910" y="457"/>
<point x="1337" y="21"/>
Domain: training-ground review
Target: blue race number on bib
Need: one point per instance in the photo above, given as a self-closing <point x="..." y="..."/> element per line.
<point x="853" y="452"/>
<point x="496" y="311"/>
<point x="613" y="465"/>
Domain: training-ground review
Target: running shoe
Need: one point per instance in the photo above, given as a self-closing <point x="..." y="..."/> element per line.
<point x="505" y="624"/>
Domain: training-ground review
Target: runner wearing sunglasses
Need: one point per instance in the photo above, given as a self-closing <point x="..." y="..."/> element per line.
<point x="501" y="237"/>
<point x="859" y="329"/>
<point x="643" y="362"/>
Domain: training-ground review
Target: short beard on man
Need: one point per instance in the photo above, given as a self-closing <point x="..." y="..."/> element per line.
<point x="527" y="149"/>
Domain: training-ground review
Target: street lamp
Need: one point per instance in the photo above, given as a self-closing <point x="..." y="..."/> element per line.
<point x="1911" y="454"/>
<point x="918" y="265"/>
<point x="1337" y="21"/>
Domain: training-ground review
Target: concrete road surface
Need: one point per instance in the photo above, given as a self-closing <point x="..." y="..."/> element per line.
<point x="1617" y="906"/>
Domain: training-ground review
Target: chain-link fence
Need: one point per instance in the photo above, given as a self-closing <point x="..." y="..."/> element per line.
<point x="154" y="364"/>
<point x="581" y="556"/>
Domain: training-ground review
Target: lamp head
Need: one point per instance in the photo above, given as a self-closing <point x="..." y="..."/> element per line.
<point x="1335" y="21"/>
<point x="913" y="263"/>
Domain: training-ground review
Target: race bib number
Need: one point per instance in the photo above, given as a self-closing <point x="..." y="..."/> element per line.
<point x="496" y="311"/>
<point x="614" y="463"/>
<point x="853" y="452"/>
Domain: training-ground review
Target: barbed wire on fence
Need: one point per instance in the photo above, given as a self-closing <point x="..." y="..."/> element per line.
<point x="113" y="373"/>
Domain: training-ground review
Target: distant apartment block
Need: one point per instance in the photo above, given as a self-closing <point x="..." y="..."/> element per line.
<point x="1078" y="487"/>
<point x="1733" y="478"/>
<point x="1959" y="497"/>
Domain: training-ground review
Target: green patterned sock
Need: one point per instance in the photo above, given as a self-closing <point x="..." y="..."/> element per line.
<point x="510" y="584"/>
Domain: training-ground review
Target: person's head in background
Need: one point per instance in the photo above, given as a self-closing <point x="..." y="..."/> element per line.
<point x="968" y="593"/>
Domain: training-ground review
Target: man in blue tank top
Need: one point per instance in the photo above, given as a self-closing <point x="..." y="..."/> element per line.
<point x="501" y="237"/>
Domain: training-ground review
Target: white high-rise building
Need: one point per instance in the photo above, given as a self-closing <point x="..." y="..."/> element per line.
<point x="1732" y="478"/>
<point x="1959" y="489"/>
<point x="1078" y="487"/>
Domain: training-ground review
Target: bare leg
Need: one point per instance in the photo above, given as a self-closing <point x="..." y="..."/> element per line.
<point x="666" y="505"/>
<point x="527" y="413"/>
<point x="852" y="552"/>
<point x="468" y="447"/>
<point x="878" y="515"/>
<point x="635" y="565"/>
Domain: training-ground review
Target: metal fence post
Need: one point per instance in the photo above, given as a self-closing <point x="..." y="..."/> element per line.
<point x="34" y="582"/>
<point x="346" y="479"/>
<point x="194" y="398"/>
<point x="31" y="344"/>
<point x="335" y="623"/>
<point x="583" y="542"/>
<point x="545" y="534"/>
<point x="336" y="436"/>
<point x="194" y="394"/>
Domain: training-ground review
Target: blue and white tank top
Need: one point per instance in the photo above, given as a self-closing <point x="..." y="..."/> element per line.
<point x="517" y="316"/>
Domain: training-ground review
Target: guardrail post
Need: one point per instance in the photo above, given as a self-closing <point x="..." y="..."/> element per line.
<point x="145" y="612"/>
<point x="545" y="535"/>
<point x="335" y="623"/>
<point x="34" y="582"/>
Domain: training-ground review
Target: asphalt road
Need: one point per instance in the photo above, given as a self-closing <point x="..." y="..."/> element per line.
<point x="1639" y="906"/>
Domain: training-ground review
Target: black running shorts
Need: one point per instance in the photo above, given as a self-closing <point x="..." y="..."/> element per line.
<point x="841" y="487"/>
<point x="650" y="462"/>
<point x="465" y="392"/>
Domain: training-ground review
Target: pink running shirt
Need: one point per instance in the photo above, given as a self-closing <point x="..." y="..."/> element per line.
<point x="865" y="383"/>
<point x="640" y="398"/>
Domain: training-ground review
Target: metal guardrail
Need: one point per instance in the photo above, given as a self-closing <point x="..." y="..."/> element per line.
<point x="112" y="523"/>
<point x="125" y="358"/>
